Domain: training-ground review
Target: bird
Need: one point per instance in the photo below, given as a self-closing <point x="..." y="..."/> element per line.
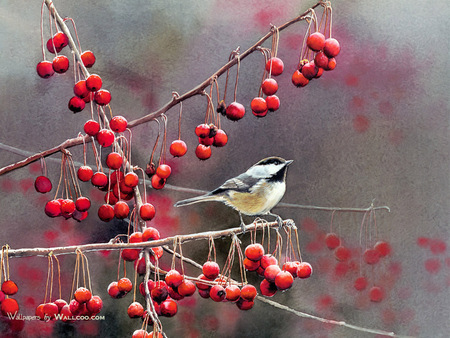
<point x="254" y="192"/>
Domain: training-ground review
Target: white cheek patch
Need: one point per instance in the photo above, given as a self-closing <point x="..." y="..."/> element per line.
<point x="265" y="171"/>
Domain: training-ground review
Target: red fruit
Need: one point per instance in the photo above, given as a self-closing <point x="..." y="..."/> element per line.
<point x="186" y="288"/>
<point x="121" y="210"/>
<point x="332" y="240"/>
<point x="40" y="311"/>
<point x="42" y="184"/>
<point x="124" y="189"/>
<point x="250" y="265"/>
<point x="50" y="47"/>
<point x="178" y="148"/>
<point x="203" y="293"/>
<point x="60" y="64"/>
<point x="60" y="40"/>
<point x="147" y="211"/>
<point x="94" y="305"/>
<point x="316" y="41"/>
<point x="232" y="293"/>
<point x="105" y="137"/>
<point x="158" y="251"/>
<point x="371" y="256"/>
<point x="84" y="173"/>
<point x="118" y="124"/>
<point x="342" y="253"/>
<point x="309" y="70"/>
<point x="383" y="248"/>
<point x="203" y="286"/>
<point x="102" y="97"/>
<point x="273" y="102"/>
<point x="158" y="182"/>
<point x="284" y="280"/>
<point x="82" y="203"/>
<point x="304" y="270"/>
<point x="79" y="215"/>
<point x="99" y="179"/>
<point x="267" y="288"/>
<point x="248" y="292"/>
<point x="131" y="179"/>
<point x="88" y="58"/>
<point x="169" y="308"/>
<point x="124" y="285"/>
<point x="276" y="64"/>
<point x="9" y="307"/>
<point x="173" y="278"/>
<point x="82" y="295"/>
<point x="220" y="139"/>
<point x="2" y="296"/>
<point x="139" y="265"/>
<point x="163" y="171"/>
<point x="291" y="267"/>
<point x="244" y="305"/>
<point x="267" y="260"/>
<point x="67" y="207"/>
<point x="211" y="270"/>
<point x="376" y="294"/>
<point x="114" y="160"/>
<point x="91" y="127"/>
<point x="319" y="73"/>
<point x="254" y="251"/>
<point x="9" y="287"/>
<point x="235" y="111"/>
<point x="106" y="212"/>
<point x="140" y="334"/>
<point x="331" y="64"/>
<point x="271" y="272"/>
<point x="321" y="60"/>
<point x="94" y="82"/>
<point x="269" y="86"/>
<point x="66" y="314"/>
<point x="60" y="303"/>
<point x="360" y="283"/>
<point x="76" y="104"/>
<point x="50" y="310"/>
<point x="150" y="233"/>
<point x="206" y="141"/>
<point x="203" y="152"/>
<point x="217" y="293"/>
<point x="88" y="98"/>
<point x="203" y="130"/>
<point x="259" y="106"/>
<point x="130" y="255"/>
<point x="135" y="310"/>
<point x="114" y="292"/>
<point x="53" y="208"/>
<point x="331" y="48"/>
<point x="298" y="79"/>
<point x="45" y="69"/>
<point x="159" y="293"/>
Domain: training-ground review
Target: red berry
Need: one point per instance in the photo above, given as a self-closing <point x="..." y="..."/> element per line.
<point x="186" y="288"/>
<point x="130" y="255"/>
<point x="9" y="287"/>
<point x="53" y="208"/>
<point x="76" y="307"/>
<point x="203" y="130"/>
<point x="114" y="291"/>
<point x="254" y="251"/>
<point x="82" y="203"/>
<point x="169" y="308"/>
<point x="259" y="107"/>
<point x="319" y="73"/>
<point x="60" y="40"/>
<point x="105" y="137"/>
<point x="203" y="293"/>
<point x="309" y="70"/>
<point x="158" y="182"/>
<point x="135" y="237"/>
<point x="217" y="293"/>
<point x="220" y="139"/>
<point x="60" y="64"/>
<point x="331" y="48"/>
<point x="235" y="111"/>
<point x="135" y="310"/>
<point x="269" y="86"/>
<point x="298" y="79"/>
<point x="60" y="303"/>
<point x="52" y="48"/>
<point x="273" y="102"/>
<point x="316" y="41"/>
<point x="42" y="184"/>
<point x="291" y="267"/>
<point x="76" y="104"/>
<point x="332" y="240"/>
<point x="118" y="124"/>
<point x="267" y="260"/>
<point x="67" y="207"/>
<point x="91" y="127"/>
<point x="45" y="69"/>
<point x="131" y="179"/>
<point x="150" y="234"/>
<point x="211" y="269"/>
<point x="102" y="97"/>
<point x="342" y="253"/>
<point x="360" y="283"/>
<point x="94" y="82"/>
<point x="106" y="212"/>
<point x="82" y="295"/>
<point x="203" y="152"/>
<point x="203" y="286"/>
<point x="173" y="278"/>
<point x="178" y="148"/>
<point x="304" y="270"/>
<point x="284" y="280"/>
<point x="121" y="210"/>
<point x="276" y="64"/>
<point x="139" y="265"/>
<point x="163" y="171"/>
<point x="248" y="292"/>
<point x="371" y="256"/>
<point x="331" y="64"/>
<point x="147" y="211"/>
<point x="50" y="310"/>
<point x="94" y="305"/>
<point x="271" y="272"/>
<point x="206" y="141"/>
<point x="250" y="265"/>
<point x="232" y="293"/>
<point x="88" y="58"/>
<point x="99" y="179"/>
<point x="244" y="305"/>
<point x="383" y="248"/>
<point x="114" y="160"/>
<point x="267" y="288"/>
<point x="321" y="60"/>
<point x="140" y="334"/>
<point x="84" y="173"/>
<point x="159" y="293"/>
<point x="9" y="307"/>
<point x="124" y="285"/>
<point x="376" y="294"/>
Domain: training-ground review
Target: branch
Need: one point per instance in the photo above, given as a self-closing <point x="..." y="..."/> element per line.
<point x="149" y="117"/>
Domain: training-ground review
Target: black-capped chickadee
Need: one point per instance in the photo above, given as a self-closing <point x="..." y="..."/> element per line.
<point x="252" y="193"/>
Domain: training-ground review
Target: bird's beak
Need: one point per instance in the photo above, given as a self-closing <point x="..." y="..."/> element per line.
<point x="289" y="162"/>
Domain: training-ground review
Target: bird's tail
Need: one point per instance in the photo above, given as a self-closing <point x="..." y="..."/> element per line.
<point x="198" y="199"/>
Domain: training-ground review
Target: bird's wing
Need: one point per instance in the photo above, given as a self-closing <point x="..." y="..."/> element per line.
<point x="241" y="183"/>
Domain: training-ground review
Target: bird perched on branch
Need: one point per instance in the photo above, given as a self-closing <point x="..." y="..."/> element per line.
<point x="253" y="193"/>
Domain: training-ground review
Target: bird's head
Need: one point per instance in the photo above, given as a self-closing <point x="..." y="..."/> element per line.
<point x="273" y="168"/>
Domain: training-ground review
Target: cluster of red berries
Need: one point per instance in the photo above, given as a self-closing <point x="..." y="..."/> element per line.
<point x="269" y="86"/>
<point x="325" y="52"/>
<point x="86" y="90"/>
<point x="133" y="255"/>
<point x="209" y="135"/>
<point x="8" y="305"/>
<point x="275" y="278"/>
